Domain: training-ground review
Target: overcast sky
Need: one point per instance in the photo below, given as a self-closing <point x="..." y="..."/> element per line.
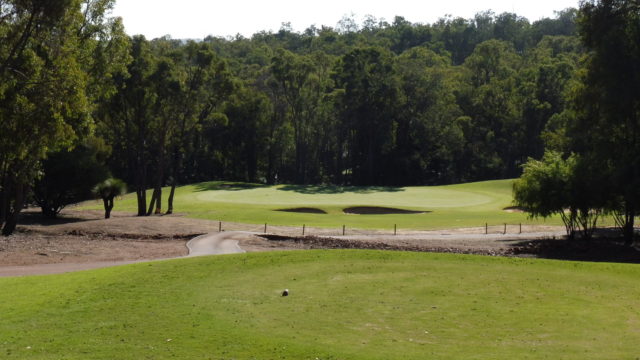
<point x="199" y="18"/>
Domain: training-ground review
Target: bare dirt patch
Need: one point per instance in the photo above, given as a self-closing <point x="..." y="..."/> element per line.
<point x="515" y="209"/>
<point x="377" y="210"/>
<point x="83" y="237"/>
<point x="305" y="210"/>
<point x="600" y="249"/>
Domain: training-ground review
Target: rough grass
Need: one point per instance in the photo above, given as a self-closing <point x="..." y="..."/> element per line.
<point x="342" y="305"/>
<point x="464" y="205"/>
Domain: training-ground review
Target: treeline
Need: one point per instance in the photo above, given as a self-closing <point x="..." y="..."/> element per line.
<point x="592" y="162"/>
<point x="375" y="103"/>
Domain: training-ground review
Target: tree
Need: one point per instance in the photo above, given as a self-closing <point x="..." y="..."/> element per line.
<point x="564" y="187"/>
<point x="126" y="118"/>
<point x="367" y="107"/>
<point x="70" y="176"/>
<point x="44" y="85"/>
<point x="107" y="191"/>
<point x="293" y="76"/>
<point x="203" y="82"/>
<point x="493" y="128"/>
<point x="606" y="105"/>
<point x="428" y="137"/>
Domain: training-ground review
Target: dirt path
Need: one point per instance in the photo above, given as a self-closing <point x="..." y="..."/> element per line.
<point x="81" y="240"/>
<point x="209" y="244"/>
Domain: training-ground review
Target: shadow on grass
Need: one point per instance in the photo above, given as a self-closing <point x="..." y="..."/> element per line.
<point x="334" y="189"/>
<point x="227" y="185"/>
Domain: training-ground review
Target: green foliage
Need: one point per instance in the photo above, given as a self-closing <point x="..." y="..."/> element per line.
<point x="606" y="103"/>
<point x="568" y="187"/>
<point x="69" y="176"/>
<point x="56" y="58"/>
<point x="341" y="305"/>
<point x="107" y="191"/>
<point x="388" y="103"/>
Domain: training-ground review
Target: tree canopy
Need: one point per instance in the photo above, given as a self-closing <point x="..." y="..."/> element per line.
<point x="377" y="103"/>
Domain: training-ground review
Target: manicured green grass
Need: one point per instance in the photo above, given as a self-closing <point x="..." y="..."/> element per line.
<point x="464" y="205"/>
<point x="342" y="305"/>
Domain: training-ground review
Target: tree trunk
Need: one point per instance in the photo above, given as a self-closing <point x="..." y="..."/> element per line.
<point x="12" y="217"/>
<point x="628" y="230"/>
<point x="4" y="198"/>
<point x="108" y="206"/>
<point x="142" y="201"/>
<point x="158" y="200"/>
<point x="170" y="204"/>
<point x="152" y="203"/>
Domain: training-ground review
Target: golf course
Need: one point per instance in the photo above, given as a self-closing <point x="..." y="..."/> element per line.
<point x="416" y="208"/>
<point x="342" y="304"/>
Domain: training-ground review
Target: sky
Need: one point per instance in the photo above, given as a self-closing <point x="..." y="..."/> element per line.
<point x="196" y="19"/>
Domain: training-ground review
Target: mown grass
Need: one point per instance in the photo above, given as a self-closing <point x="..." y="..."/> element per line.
<point x="463" y="205"/>
<point x="342" y="305"/>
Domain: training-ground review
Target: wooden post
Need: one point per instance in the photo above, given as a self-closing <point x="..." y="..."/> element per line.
<point x="303" y="228"/>
<point x="395" y="229"/>
<point x="265" y="228"/>
<point x="520" y="228"/>
<point x="220" y="226"/>
<point x="342" y="230"/>
<point x="486" y="228"/>
<point x="505" y="229"/>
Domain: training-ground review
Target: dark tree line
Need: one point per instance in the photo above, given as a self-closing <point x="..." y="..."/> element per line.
<point x="592" y="164"/>
<point x="375" y="103"/>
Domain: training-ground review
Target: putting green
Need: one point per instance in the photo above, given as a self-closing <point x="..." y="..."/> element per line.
<point x="342" y="305"/>
<point x="426" y="197"/>
<point x="435" y="207"/>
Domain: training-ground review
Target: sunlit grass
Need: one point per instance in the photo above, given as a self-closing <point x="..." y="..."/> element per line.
<point x="342" y="305"/>
<point x="463" y="205"/>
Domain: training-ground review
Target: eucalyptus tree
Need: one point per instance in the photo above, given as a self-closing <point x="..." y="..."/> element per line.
<point x="127" y="116"/>
<point x="428" y="137"/>
<point x="493" y="106"/>
<point x="367" y="105"/>
<point x="203" y="83"/>
<point x="293" y="76"/>
<point x="51" y="55"/>
<point x="606" y="103"/>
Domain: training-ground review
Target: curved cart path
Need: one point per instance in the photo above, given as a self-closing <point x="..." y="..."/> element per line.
<point x="209" y="244"/>
<point x="217" y="243"/>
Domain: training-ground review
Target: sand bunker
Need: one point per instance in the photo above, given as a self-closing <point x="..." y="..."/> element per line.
<point x="514" y="209"/>
<point x="377" y="210"/>
<point x="306" y="210"/>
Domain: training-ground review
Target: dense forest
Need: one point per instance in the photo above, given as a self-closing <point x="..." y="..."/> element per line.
<point x="371" y="103"/>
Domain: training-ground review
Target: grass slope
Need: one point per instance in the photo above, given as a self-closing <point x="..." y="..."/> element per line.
<point x="463" y="205"/>
<point x="343" y="305"/>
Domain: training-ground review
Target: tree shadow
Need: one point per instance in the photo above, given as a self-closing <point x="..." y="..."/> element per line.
<point x="600" y="249"/>
<point x="37" y="218"/>
<point x="335" y="189"/>
<point x="227" y="185"/>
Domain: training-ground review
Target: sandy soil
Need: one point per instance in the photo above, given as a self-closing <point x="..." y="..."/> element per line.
<point x="84" y="239"/>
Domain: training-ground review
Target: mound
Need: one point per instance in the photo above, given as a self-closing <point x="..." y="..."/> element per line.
<point x="306" y="210"/>
<point x="378" y="210"/>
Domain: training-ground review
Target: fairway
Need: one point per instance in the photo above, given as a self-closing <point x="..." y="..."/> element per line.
<point x="453" y="206"/>
<point x="342" y="305"/>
